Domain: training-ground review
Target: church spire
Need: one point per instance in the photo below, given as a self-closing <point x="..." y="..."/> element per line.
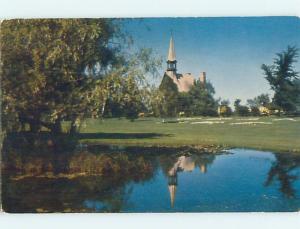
<point x="171" y="62"/>
<point x="171" y="55"/>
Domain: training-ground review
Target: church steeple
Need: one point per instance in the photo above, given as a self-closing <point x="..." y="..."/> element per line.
<point x="171" y="62"/>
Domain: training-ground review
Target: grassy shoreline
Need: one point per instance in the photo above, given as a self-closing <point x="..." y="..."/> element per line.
<point x="199" y="147"/>
<point x="260" y="133"/>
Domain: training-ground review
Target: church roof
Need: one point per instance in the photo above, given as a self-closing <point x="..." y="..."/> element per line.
<point x="171" y="54"/>
<point x="184" y="82"/>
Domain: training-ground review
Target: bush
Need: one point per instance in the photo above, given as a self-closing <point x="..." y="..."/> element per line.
<point x="254" y="111"/>
<point x="224" y="111"/>
<point x="243" y="111"/>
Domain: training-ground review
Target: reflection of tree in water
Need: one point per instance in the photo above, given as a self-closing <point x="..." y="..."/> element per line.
<point x="204" y="161"/>
<point x="80" y="181"/>
<point x="103" y="194"/>
<point x="53" y="179"/>
<point x="284" y="169"/>
<point x="64" y="194"/>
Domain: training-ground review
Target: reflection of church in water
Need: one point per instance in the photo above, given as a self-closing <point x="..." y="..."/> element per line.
<point x="186" y="164"/>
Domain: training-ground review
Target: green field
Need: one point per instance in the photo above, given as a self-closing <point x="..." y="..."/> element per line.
<point x="264" y="133"/>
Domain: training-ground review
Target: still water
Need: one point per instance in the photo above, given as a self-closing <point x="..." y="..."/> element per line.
<point x="124" y="180"/>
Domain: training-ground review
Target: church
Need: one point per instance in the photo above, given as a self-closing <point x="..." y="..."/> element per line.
<point x="183" y="81"/>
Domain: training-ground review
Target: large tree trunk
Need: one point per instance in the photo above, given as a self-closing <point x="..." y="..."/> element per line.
<point x="56" y="128"/>
<point x="73" y="128"/>
<point x="103" y="108"/>
<point x="34" y="123"/>
<point x="34" y="126"/>
<point x="33" y="120"/>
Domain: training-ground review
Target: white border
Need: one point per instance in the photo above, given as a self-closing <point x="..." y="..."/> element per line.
<point x="146" y="8"/>
<point x="152" y="221"/>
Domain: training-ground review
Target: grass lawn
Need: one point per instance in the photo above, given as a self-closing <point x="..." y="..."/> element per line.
<point x="265" y="133"/>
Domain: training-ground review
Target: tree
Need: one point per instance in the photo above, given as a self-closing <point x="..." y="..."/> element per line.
<point x="297" y="102"/>
<point x="257" y="102"/>
<point x="125" y="90"/>
<point x="198" y="100"/>
<point x="224" y="109"/>
<point x="50" y="69"/>
<point x="157" y="102"/>
<point x="132" y="99"/>
<point x="225" y="103"/>
<point x="185" y="101"/>
<point x="202" y="100"/>
<point x="168" y="93"/>
<point x="260" y="100"/>
<point x="283" y="79"/>
<point x="240" y="109"/>
<point x="283" y="172"/>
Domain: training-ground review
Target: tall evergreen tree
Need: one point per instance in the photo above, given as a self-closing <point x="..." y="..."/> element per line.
<point x="283" y="79"/>
<point x="201" y="99"/>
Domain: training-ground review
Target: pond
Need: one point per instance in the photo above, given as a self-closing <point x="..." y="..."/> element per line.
<point x="152" y="180"/>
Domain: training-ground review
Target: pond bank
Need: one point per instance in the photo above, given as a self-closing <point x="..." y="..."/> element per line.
<point x="89" y="160"/>
<point x="200" y="148"/>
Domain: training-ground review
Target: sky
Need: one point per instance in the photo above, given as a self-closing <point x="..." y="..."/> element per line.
<point x="230" y="50"/>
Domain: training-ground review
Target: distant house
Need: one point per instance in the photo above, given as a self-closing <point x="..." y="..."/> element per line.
<point x="224" y="110"/>
<point x="264" y="110"/>
<point x="183" y="81"/>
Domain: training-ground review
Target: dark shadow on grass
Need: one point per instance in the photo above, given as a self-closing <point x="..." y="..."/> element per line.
<point x="120" y="135"/>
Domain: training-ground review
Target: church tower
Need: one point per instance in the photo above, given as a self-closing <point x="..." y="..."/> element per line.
<point x="171" y="62"/>
<point x="184" y="81"/>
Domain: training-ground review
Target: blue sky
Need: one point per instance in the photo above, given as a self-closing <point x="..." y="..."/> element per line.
<point x="229" y="50"/>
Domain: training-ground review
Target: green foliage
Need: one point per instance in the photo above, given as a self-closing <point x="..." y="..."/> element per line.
<point x="167" y="97"/>
<point x="185" y="101"/>
<point x="125" y="90"/>
<point x="156" y="102"/>
<point x="132" y="100"/>
<point x="240" y="109"/>
<point x="124" y="99"/>
<point x="224" y="110"/>
<point x="225" y="103"/>
<point x="283" y="79"/>
<point x="49" y="69"/>
<point x="201" y="100"/>
<point x="70" y="69"/>
<point x="254" y="111"/>
<point x="297" y="99"/>
<point x="260" y="100"/>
